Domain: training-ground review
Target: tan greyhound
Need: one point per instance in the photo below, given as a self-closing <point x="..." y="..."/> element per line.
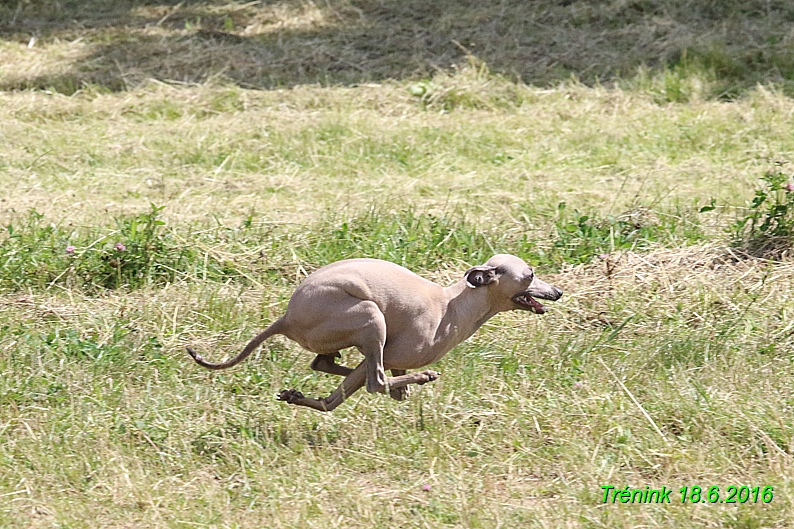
<point x="395" y="318"/>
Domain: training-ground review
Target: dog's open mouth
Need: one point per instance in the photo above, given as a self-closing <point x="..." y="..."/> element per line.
<point x="527" y="302"/>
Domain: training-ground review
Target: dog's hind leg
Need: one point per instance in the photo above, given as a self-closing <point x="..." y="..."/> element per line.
<point x="352" y="383"/>
<point x="327" y="364"/>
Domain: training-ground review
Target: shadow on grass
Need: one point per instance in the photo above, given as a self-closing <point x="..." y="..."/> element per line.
<point x="119" y="44"/>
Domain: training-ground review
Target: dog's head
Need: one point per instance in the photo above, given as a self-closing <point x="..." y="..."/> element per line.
<point x="511" y="284"/>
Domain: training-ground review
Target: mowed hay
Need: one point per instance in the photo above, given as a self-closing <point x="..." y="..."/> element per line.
<point x="118" y="45"/>
<point x="673" y="269"/>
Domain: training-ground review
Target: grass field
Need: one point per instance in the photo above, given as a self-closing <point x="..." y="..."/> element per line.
<point x="232" y="148"/>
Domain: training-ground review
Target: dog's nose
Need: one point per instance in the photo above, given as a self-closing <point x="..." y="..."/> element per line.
<point x="557" y="292"/>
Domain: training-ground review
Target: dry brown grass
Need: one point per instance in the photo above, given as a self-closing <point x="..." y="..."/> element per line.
<point x="680" y="273"/>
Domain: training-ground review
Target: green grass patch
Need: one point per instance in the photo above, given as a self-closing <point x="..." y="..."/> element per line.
<point x="141" y="250"/>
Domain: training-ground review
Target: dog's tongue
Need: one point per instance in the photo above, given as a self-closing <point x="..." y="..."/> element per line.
<point x="530" y="303"/>
<point x="536" y="305"/>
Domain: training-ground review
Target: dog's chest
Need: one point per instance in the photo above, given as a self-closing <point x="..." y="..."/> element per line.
<point x="420" y="345"/>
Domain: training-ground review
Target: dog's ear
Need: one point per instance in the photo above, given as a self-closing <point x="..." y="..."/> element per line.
<point x="479" y="276"/>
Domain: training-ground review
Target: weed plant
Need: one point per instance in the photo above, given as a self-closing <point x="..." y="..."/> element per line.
<point x="136" y="251"/>
<point x="767" y="227"/>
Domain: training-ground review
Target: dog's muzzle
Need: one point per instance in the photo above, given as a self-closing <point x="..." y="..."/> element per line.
<point x="526" y="300"/>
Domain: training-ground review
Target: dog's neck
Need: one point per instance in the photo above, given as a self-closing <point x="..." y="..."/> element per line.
<point x="467" y="309"/>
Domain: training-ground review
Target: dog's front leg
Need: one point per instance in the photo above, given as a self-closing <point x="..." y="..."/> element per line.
<point x="422" y="377"/>
<point x="400" y="382"/>
<point x="398" y="393"/>
<point x="371" y="340"/>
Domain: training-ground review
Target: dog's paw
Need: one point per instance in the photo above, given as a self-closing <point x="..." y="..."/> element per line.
<point x="290" y="396"/>
<point x="430" y="376"/>
<point x="400" y="393"/>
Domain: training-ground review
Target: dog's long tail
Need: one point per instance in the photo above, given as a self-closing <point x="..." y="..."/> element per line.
<point x="275" y="328"/>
